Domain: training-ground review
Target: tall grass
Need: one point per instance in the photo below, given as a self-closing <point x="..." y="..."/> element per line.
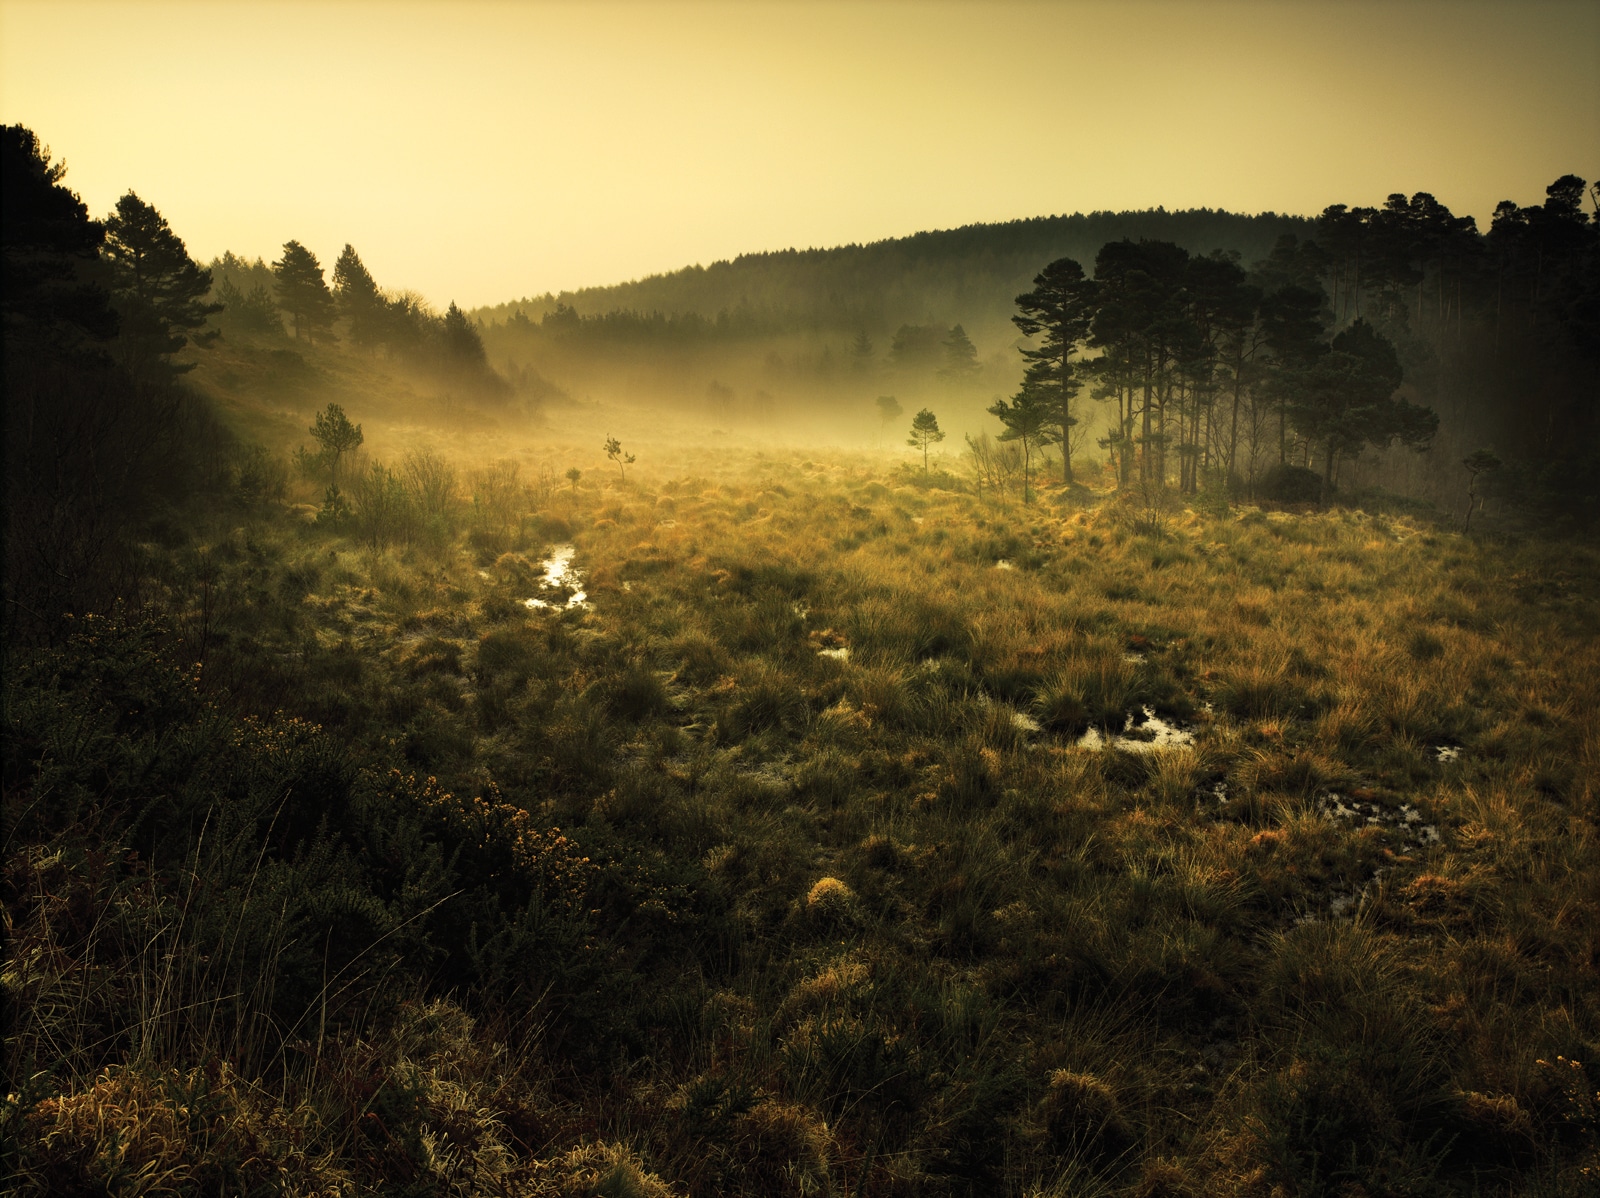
<point x="839" y="902"/>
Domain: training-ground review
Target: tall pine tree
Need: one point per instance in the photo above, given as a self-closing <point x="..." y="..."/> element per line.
<point x="159" y="291"/>
<point x="303" y="293"/>
<point x="1059" y="312"/>
<point x="359" y="301"/>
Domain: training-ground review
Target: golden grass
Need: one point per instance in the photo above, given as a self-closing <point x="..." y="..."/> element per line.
<point x="935" y="937"/>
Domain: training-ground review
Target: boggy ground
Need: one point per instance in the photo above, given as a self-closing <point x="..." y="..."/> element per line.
<point x="779" y="864"/>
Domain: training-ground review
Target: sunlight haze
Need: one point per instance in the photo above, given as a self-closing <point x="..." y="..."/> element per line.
<point x="480" y="152"/>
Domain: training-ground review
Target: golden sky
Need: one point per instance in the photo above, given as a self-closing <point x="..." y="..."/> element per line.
<point x="484" y="151"/>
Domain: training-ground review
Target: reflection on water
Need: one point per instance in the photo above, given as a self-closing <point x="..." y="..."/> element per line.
<point x="560" y="578"/>
<point x="1149" y="734"/>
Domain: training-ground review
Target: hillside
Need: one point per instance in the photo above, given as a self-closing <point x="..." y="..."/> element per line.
<point x="969" y="275"/>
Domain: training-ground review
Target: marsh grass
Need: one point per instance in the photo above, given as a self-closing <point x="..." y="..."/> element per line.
<point x="863" y="923"/>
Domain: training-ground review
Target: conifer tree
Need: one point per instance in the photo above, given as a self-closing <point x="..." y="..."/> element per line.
<point x="159" y="291"/>
<point x="337" y="436"/>
<point x="303" y="293"/>
<point x="50" y="248"/>
<point x="1060" y="312"/>
<point x="358" y="298"/>
<point x="925" y="432"/>
<point x="861" y="353"/>
<point x="462" y="343"/>
<point x="960" y="356"/>
<point x="1028" y="418"/>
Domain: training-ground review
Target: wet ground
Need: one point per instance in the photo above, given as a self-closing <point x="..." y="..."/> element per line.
<point x="561" y="586"/>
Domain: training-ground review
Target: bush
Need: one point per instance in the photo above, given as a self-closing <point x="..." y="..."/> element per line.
<point x="1290" y="484"/>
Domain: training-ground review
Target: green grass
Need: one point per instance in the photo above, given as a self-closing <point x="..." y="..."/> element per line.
<point x="812" y="923"/>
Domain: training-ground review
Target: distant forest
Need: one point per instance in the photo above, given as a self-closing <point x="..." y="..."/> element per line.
<point x="969" y="274"/>
<point x="1490" y="337"/>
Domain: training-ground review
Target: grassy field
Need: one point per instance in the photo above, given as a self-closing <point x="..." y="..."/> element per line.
<point x="823" y="846"/>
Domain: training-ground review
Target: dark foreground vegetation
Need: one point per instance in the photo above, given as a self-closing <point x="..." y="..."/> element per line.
<point x="830" y="842"/>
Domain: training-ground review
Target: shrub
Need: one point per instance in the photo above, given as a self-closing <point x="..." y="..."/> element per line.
<point x="1290" y="484"/>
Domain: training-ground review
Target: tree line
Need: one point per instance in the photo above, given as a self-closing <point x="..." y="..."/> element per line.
<point x="256" y="298"/>
<point x="1209" y="369"/>
<point x="946" y="275"/>
<point x="101" y="432"/>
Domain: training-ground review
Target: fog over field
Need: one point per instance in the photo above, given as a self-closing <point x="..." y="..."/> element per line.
<point x="899" y="599"/>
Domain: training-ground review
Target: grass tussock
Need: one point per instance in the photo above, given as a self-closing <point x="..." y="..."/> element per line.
<point x="822" y="847"/>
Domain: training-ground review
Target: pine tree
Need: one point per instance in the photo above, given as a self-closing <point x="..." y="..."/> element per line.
<point x="1028" y="418"/>
<point x="462" y="343"/>
<point x="925" y="431"/>
<point x="50" y="246"/>
<point x="303" y="293"/>
<point x="1060" y="311"/>
<point x="861" y="353"/>
<point x="960" y="356"/>
<point x="1347" y="401"/>
<point x="337" y="436"/>
<point x="159" y="291"/>
<point x="358" y="298"/>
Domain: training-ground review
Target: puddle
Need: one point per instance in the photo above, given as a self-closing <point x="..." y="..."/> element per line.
<point x="1151" y="734"/>
<point x="842" y="653"/>
<point x="1134" y="659"/>
<point x="1002" y="564"/>
<point x="1405" y="821"/>
<point x="560" y="576"/>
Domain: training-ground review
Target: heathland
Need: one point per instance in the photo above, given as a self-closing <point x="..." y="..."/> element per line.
<point x="410" y="788"/>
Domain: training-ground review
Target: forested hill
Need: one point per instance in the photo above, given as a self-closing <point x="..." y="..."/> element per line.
<point x="970" y="274"/>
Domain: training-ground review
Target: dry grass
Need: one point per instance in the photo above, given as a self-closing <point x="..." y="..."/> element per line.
<point x="880" y="923"/>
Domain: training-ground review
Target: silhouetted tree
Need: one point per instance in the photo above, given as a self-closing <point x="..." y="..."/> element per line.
<point x="1059" y="311"/>
<point x="337" y="436"/>
<point x="1346" y="401"/>
<point x="925" y="432"/>
<point x="159" y="291"/>
<point x="960" y="356"/>
<point x="614" y="452"/>
<point x="255" y="311"/>
<point x="1293" y="329"/>
<point x="1028" y="418"/>
<point x="53" y="282"/>
<point x="462" y="343"/>
<point x="358" y="298"/>
<point x="303" y="293"/>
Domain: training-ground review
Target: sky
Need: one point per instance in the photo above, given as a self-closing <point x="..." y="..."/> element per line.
<point x="481" y="152"/>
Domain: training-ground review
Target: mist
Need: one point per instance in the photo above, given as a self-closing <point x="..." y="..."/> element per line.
<point x="1088" y="704"/>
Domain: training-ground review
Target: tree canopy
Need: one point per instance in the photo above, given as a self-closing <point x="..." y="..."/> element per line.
<point x="53" y="284"/>
<point x="159" y="291"/>
<point x="1059" y="312"/>
<point x="925" y="433"/>
<point x="304" y="294"/>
